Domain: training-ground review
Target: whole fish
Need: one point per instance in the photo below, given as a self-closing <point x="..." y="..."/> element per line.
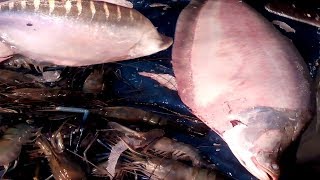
<point x="244" y="79"/>
<point x="76" y="32"/>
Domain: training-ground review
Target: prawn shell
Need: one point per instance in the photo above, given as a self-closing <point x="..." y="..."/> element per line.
<point x="12" y="141"/>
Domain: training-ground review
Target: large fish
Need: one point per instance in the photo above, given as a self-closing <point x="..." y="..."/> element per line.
<point x="242" y="78"/>
<point x="76" y="32"/>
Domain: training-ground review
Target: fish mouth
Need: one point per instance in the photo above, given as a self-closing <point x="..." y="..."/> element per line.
<point x="257" y="169"/>
<point x="271" y="174"/>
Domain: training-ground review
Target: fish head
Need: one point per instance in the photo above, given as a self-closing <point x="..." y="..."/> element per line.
<point x="151" y="42"/>
<point x="259" y="135"/>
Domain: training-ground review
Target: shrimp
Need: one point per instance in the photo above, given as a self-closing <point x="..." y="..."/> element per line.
<point x="136" y="115"/>
<point x="40" y="94"/>
<point x="61" y="166"/>
<point x="19" y="61"/>
<point x="47" y="76"/>
<point x="177" y="150"/>
<point x="160" y="168"/>
<point x="154" y="141"/>
<point x="132" y="114"/>
<point x="122" y="140"/>
<point x="11" y="143"/>
<point x="12" y="78"/>
<point x="136" y="139"/>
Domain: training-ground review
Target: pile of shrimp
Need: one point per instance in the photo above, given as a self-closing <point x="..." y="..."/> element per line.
<point x="65" y="123"/>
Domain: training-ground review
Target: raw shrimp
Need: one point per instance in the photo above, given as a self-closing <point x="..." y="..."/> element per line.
<point x="132" y="114"/>
<point x="19" y="61"/>
<point x="153" y="140"/>
<point x="40" y="94"/>
<point x="177" y="150"/>
<point x="12" y="78"/>
<point x="122" y="140"/>
<point x="136" y="139"/>
<point x="11" y="143"/>
<point x="61" y="166"/>
<point x="168" y="169"/>
<point x="136" y="115"/>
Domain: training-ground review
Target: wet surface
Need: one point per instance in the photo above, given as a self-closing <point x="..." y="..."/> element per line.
<point x="306" y="38"/>
<point x="139" y="91"/>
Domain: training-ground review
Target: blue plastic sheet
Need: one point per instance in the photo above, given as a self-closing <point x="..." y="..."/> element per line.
<point x="212" y="147"/>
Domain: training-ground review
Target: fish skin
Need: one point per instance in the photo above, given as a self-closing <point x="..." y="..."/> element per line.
<point x="243" y="79"/>
<point x="76" y="32"/>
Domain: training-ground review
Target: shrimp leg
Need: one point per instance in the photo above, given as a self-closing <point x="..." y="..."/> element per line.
<point x="14" y="165"/>
<point x="6" y="167"/>
<point x="50" y="177"/>
<point x="56" y="140"/>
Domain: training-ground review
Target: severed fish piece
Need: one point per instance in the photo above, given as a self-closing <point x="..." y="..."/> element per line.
<point x="76" y="32"/>
<point x="244" y="79"/>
